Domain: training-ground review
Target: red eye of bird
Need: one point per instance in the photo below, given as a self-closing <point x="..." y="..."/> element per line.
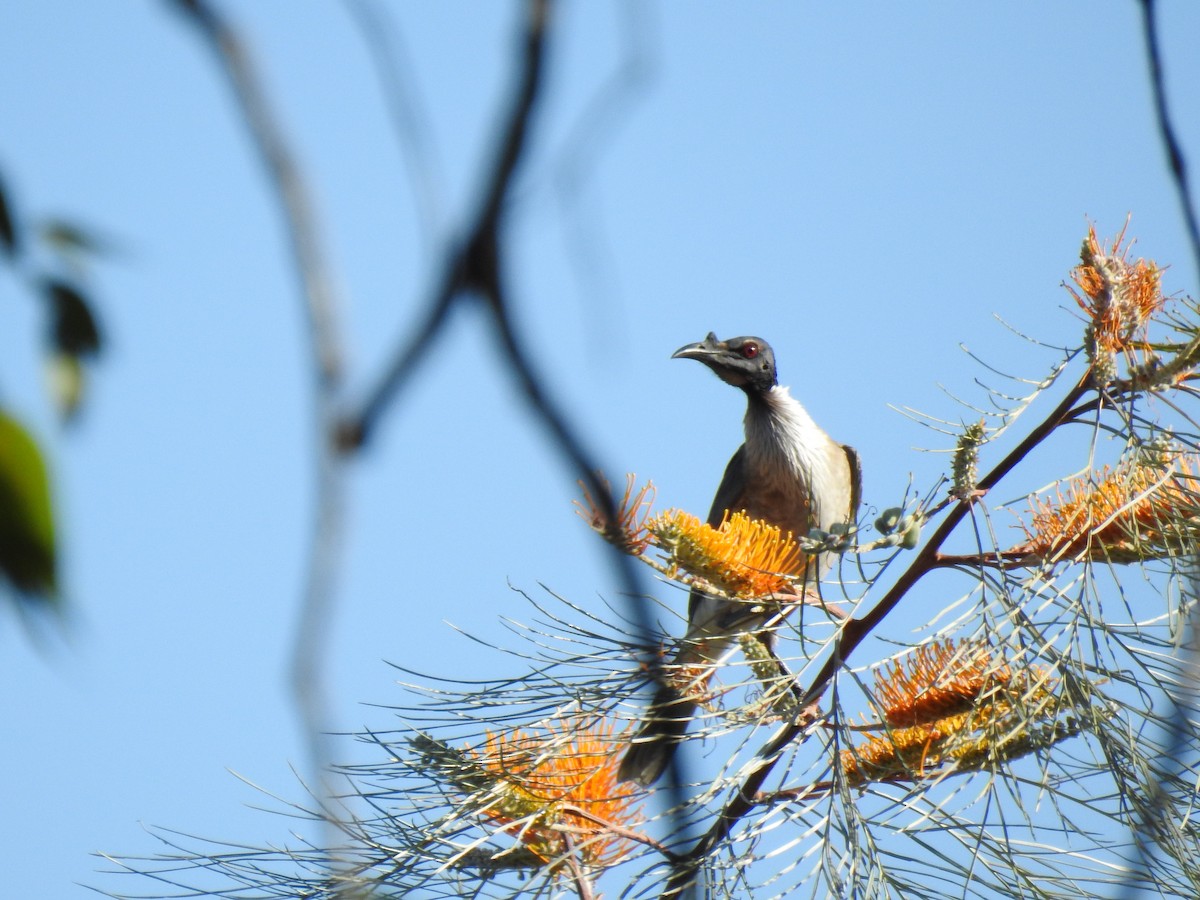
<point x="750" y="350"/>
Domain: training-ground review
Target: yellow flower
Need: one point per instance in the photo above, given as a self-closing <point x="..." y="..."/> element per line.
<point x="556" y="790"/>
<point x="1134" y="512"/>
<point x="903" y="752"/>
<point x="999" y="732"/>
<point x="744" y="557"/>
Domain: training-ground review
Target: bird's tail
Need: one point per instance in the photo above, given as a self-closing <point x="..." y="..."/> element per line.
<point x="654" y="745"/>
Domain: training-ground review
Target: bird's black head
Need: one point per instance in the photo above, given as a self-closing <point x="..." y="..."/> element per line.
<point x="745" y="362"/>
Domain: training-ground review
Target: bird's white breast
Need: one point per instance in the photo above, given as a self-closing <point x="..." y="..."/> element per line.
<point x="800" y="475"/>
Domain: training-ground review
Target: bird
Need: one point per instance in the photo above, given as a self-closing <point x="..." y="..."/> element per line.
<point x="789" y="473"/>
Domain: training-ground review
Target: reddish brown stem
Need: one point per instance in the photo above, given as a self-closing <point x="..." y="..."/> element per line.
<point x="1005" y="559"/>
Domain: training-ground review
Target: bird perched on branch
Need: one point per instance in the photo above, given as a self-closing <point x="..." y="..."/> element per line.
<point x="788" y="473"/>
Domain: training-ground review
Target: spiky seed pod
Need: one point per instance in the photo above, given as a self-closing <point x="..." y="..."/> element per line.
<point x="964" y="469"/>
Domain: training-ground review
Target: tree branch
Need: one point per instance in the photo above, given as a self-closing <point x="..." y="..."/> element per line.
<point x="471" y="265"/>
<point x="409" y="121"/>
<point x="473" y="270"/>
<point x="1167" y="131"/>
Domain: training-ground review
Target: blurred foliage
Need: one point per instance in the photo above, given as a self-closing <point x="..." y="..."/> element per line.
<point x="72" y="337"/>
<point x="50" y="260"/>
<point x="72" y="241"/>
<point x="27" y="555"/>
<point x="8" y="231"/>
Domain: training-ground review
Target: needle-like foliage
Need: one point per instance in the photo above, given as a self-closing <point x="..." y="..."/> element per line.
<point x="1034" y="732"/>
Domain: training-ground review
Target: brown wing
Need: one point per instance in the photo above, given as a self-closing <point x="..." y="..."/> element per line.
<point x="733" y="485"/>
<point x="728" y="496"/>
<point x="855" y="481"/>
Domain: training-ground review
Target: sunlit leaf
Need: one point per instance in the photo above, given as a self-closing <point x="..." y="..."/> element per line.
<point x="73" y="240"/>
<point x="27" y="556"/>
<point x="67" y="381"/>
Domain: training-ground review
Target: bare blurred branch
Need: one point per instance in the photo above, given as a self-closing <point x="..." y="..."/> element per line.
<point x="472" y="271"/>
<point x="1186" y="703"/>
<point x="409" y="120"/>
<point x="609" y="108"/>
<point x="471" y="263"/>
<point x="1167" y="131"/>
<point x="327" y="353"/>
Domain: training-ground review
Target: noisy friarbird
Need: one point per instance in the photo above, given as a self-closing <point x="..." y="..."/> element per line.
<point x="789" y="473"/>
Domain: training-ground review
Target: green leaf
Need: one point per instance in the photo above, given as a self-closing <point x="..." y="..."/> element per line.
<point x="27" y="555"/>
<point x="8" y="229"/>
<point x="73" y="328"/>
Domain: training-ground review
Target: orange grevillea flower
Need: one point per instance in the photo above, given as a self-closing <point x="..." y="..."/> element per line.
<point x="904" y="752"/>
<point x="1127" y="514"/>
<point x="1001" y="731"/>
<point x="744" y="557"/>
<point x="629" y="531"/>
<point x="558" y="791"/>
<point x="1118" y="296"/>
<point x="947" y="704"/>
<point x="937" y="680"/>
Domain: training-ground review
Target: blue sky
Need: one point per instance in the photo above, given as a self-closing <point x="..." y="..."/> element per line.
<point x="864" y="186"/>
